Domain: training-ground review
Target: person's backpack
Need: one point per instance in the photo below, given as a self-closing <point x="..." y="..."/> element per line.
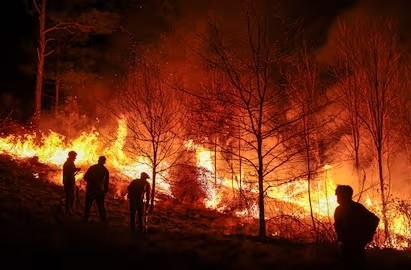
<point x="136" y="189"/>
<point x="95" y="178"/>
<point x="370" y="224"/>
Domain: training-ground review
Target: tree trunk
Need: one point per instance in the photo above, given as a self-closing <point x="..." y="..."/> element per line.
<point x="307" y="144"/>
<point x="154" y="171"/>
<point x="40" y="62"/>
<point x="215" y="163"/>
<point x="153" y="190"/>
<point x="383" y="199"/>
<point x="262" y="228"/>
<point x="57" y="97"/>
<point x="240" y="177"/>
<point x="309" y="187"/>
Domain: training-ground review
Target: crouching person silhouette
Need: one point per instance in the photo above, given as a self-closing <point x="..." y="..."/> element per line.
<point x="355" y="227"/>
<point x="138" y="192"/>
<point x="97" y="179"/>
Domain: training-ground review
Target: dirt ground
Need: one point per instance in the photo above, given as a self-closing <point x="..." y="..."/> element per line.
<point x="35" y="234"/>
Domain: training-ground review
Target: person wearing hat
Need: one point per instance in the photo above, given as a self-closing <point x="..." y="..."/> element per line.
<point x="97" y="179"/>
<point x="69" y="181"/>
<point x="138" y="190"/>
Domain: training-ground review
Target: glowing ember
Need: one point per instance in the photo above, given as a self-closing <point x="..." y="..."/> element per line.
<point x="204" y="159"/>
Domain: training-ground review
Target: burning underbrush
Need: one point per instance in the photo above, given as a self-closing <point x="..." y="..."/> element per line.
<point x="171" y="214"/>
<point x="30" y="178"/>
<point x="27" y="182"/>
<point x="204" y="201"/>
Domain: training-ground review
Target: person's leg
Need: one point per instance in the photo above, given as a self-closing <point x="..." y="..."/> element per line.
<point x="100" y="206"/>
<point x="353" y="256"/>
<point x="87" y="204"/>
<point x="66" y="198"/>
<point x="359" y="256"/>
<point x="69" y="190"/>
<point x="72" y="194"/>
<point x="132" y="217"/>
<point x="347" y="260"/>
<point x="140" y="212"/>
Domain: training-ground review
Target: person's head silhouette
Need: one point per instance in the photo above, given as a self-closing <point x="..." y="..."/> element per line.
<point x="344" y="194"/>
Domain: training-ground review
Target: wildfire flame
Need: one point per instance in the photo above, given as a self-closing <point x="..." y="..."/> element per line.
<point x="51" y="148"/>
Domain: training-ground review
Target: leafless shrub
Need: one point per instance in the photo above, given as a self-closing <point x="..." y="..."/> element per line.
<point x="300" y="229"/>
<point x="187" y="184"/>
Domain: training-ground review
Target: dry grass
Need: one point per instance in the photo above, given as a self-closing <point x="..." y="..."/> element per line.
<point x="35" y="233"/>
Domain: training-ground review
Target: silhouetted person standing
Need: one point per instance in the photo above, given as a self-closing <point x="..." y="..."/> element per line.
<point x="69" y="181"/>
<point x="138" y="191"/>
<point x="355" y="227"/>
<point x="97" y="179"/>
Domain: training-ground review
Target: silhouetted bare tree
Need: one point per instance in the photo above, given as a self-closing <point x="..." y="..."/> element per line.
<point x="349" y="89"/>
<point x="309" y="102"/>
<point x="374" y="58"/>
<point x="154" y="118"/>
<point x="251" y="64"/>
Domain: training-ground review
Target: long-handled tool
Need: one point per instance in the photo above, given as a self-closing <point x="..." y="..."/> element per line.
<point x="145" y="220"/>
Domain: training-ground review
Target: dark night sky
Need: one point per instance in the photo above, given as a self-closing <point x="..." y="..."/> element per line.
<point x="18" y="28"/>
<point x="16" y="32"/>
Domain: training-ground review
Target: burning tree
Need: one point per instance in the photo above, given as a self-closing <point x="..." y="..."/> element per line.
<point x="154" y="119"/>
<point x="212" y="125"/>
<point x="405" y="112"/>
<point x="252" y="68"/>
<point x="211" y="122"/>
<point x="370" y="51"/>
<point x="308" y="102"/>
<point x="349" y="98"/>
<point x="188" y="181"/>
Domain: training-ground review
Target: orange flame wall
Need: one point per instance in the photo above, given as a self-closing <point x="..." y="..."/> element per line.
<point x="52" y="149"/>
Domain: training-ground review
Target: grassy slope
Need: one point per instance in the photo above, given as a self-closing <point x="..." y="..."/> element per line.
<point x="34" y="233"/>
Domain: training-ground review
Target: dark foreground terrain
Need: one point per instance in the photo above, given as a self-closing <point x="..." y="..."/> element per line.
<point x="34" y="234"/>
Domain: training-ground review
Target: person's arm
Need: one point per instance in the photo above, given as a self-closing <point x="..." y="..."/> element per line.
<point x="371" y="222"/>
<point x="130" y="189"/>
<point x="73" y="169"/>
<point x="87" y="175"/>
